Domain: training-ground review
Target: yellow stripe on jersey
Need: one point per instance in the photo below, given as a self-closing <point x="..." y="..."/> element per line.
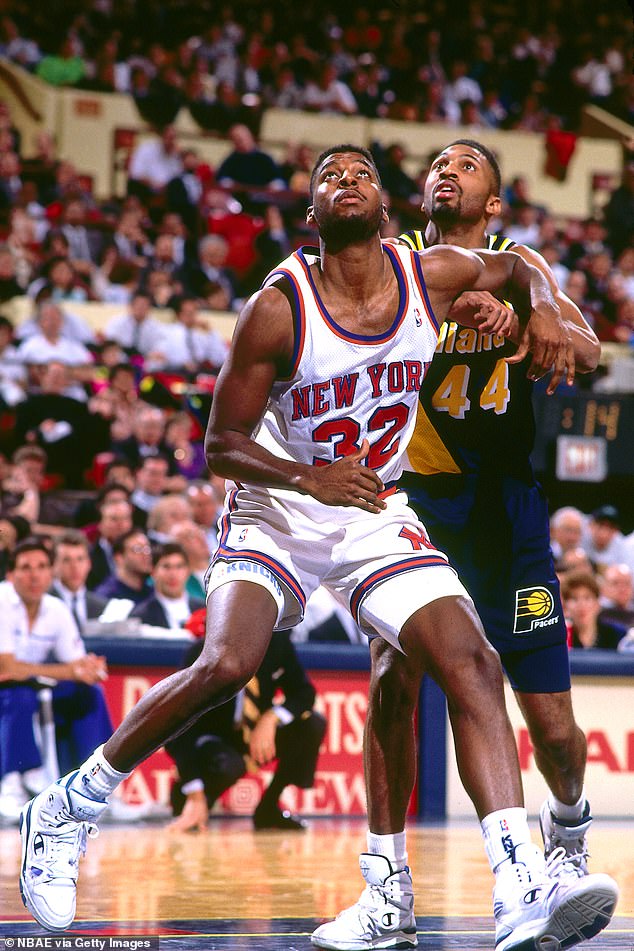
<point x="427" y="453"/>
<point x="413" y="239"/>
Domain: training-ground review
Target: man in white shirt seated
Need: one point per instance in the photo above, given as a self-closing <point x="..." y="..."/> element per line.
<point x="12" y="372"/>
<point x="170" y="605"/>
<point x="71" y="567"/>
<point x="153" y="163"/>
<point x="39" y="638"/>
<point x="136" y="331"/>
<point x="49" y="345"/>
<point x="187" y="344"/>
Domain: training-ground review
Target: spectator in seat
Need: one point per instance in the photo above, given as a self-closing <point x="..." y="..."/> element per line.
<point x="617" y="596"/>
<point x="115" y="519"/>
<point x="188" y="343"/>
<point x="193" y="540"/>
<point x="188" y="452"/>
<point x="206" y="500"/>
<point x="61" y="425"/>
<point x="154" y="162"/>
<point x="170" y="605"/>
<point x="49" y="345"/>
<point x="39" y="638"/>
<point x="64" y="67"/>
<point x="247" y="164"/>
<point x="151" y="483"/>
<point x="250" y="732"/>
<point x="12" y="371"/>
<point x="325" y="92"/>
<point x="13" y="529"/>
<point x="580" y="597"/>
<point x="566" y="530"/>
<point x="71" y="567"/>
<point x="211" y="268"/>
<point x="147" y="439"/>
<point x="184" y="192"/>
<point x="132" y="555"/>
<point x="604" y="543"/>
<point x="9" y="284"/>
<point x="170" y="510"/>
<point x="136" y="331"/>
<point x="84" y="244"/>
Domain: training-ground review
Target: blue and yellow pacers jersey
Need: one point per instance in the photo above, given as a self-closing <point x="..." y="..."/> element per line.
<point x="475" y="411"/>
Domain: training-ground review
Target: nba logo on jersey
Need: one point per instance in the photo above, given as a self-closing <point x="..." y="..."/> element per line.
<point x="417" y="317"/>
<point x="242" y="537"/>
<point x="533" y="609"/>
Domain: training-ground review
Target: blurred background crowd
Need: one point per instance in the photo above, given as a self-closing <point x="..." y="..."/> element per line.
<point x="101" y="429"/>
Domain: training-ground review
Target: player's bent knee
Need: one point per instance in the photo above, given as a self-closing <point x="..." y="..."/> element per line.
<point x="220" y="676"/>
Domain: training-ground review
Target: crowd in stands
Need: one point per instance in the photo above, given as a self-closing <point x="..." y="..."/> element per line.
<point x="116" y="416"/>
<point x="594" y="561"/>
<point x="471" y="62"/>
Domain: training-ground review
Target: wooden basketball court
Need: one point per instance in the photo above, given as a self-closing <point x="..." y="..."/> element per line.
<point x="233" y="888"/>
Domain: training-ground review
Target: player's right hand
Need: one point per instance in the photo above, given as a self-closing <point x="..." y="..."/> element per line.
<point x="348" y="482"/>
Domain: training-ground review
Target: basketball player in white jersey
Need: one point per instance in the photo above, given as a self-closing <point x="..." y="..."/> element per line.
<point x="310" y="421"/>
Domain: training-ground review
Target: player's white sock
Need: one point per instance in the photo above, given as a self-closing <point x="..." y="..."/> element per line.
<point x="393" y="847"/>
<point x="564" y="810"/>
<point x="503" y="831"/>
<point x="96" y="778"/>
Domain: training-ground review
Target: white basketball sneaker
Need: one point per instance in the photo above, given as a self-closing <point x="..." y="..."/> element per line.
<point x="534" y="912"/>
<point x="54" y="828"/>
<point x="568" y="835"/>
<point x="382" y="918"/>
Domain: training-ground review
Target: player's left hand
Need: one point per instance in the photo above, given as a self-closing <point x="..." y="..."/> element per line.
<point x="550" y="342"/>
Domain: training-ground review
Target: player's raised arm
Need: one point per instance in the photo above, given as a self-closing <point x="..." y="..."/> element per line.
<point x="261" y="353"/>
<point x="585" y="342"/>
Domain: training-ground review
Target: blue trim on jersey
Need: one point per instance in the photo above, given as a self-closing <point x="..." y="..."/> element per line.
<point x="299" y="320"/>
<point x="341" y="331"/>
<point x="423" y="286"/>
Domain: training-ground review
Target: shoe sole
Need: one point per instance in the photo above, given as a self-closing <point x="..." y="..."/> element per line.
<point x="404" y="942"/>
<point x="25" y="827"/>
<point x="584" y="916"/>
<point x="578" y="919"/>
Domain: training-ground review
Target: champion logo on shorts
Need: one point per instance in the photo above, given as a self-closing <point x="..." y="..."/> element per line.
<point x="533" y="609"/>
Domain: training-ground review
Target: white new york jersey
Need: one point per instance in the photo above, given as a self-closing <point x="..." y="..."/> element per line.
<point x="342" y="388"/>
<point x="345" y="387"/>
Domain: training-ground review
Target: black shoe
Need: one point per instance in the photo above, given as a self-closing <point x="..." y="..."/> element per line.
<point x="274" y="818"/>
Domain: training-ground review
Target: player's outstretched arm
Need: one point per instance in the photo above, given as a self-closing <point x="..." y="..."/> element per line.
<point x="585" y="342"/>
<point x="261" y="352"/>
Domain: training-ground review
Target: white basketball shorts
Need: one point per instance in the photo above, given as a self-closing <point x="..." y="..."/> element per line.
<point x="381" y="567"/>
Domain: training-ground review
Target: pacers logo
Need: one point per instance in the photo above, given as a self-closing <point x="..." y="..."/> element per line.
<point x="533" y="609"/>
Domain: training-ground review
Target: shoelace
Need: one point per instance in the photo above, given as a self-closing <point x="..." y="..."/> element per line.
<point x="65" y="848"/>
<point x="561" y="863"/>
<point x="374" y="894"/>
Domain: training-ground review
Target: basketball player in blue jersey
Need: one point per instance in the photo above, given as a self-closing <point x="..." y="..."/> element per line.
<point x="472" y="486"/>
<point x="311" y="416"/>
